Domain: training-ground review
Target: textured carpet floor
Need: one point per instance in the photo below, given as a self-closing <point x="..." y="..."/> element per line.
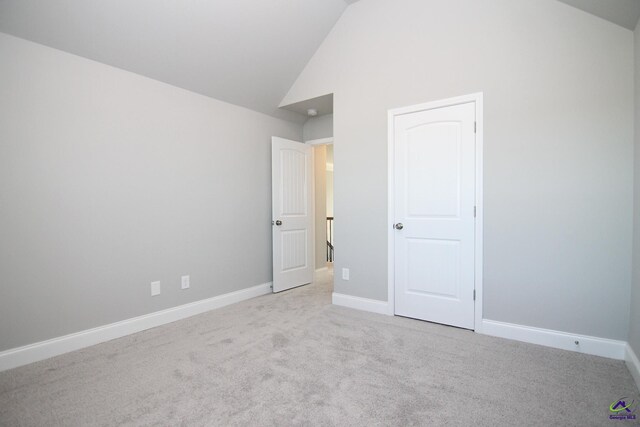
<point x="294" y="359"/>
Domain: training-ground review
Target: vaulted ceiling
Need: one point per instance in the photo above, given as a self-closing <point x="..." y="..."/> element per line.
<point x="622" y="12"/>
<point x="246" y="52"/>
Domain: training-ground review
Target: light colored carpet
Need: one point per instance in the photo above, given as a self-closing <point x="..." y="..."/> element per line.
<point x="294" y="359"/>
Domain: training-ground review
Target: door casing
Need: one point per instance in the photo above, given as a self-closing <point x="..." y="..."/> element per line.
<point x="477" y="99"/>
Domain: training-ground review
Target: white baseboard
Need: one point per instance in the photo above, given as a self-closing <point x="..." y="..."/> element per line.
<point x="590" y="345"/>
<point x="633" y="364"/>
<point x="45" y="349"/>
<point x="365" y="304"/>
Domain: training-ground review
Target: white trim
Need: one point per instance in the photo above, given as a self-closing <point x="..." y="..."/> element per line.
<point x="476" y="98"/>
<point x="45" y="349"/>
<point x="479" y="209"/>
<point x="566" y="341"/>
<point x="313" y="210"/>
<point x="633" y="364"/>
<point x="365" y="304"/>
<point x="320" y="141"/>
<point x="391" y="300"/>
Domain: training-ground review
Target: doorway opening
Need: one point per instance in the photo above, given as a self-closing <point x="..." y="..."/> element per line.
<point x="324" y="223"/>
<point x="329" y="176"/>
<point x="318" y="135"/>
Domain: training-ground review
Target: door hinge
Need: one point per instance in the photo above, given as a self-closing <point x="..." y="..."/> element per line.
<point x="474" y="211"/>
<point x="475" y="127"/>
<point x="474" y="294"/>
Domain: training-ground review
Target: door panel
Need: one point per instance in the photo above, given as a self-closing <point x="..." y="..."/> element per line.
<point x="292" y="218"/>
<point x="433" y="267"/>
<point x="434" y="251"/>
<point x="433" y="181"/>
<point x="294" y="249"/>
<point x="293" y="181"/>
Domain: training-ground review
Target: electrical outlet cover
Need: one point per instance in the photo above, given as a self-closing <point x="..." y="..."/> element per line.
<point x="155" y="288"/>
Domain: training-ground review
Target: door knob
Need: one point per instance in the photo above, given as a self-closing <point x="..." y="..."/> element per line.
<point x="398" y="226"/>
<point x="278" y="222"/>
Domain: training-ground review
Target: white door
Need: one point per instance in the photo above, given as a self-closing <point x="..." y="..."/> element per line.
<point x="434" y="214"/>
<point x="292" y="178"/>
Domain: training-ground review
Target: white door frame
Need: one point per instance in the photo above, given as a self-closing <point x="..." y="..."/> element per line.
<point x="320" y="141"/>
<point x="477" y="99"/>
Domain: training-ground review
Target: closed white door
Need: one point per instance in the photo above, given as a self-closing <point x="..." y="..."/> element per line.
<point x="291" y="166"/>
<point x="434" y="214"/>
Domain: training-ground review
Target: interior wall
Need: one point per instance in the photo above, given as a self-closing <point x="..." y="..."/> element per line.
<point x="634" y="322"/>
<point x="318" y="127"/>
<point x="558" y="154"/>
<point x="110" y="180"/>
<point x="320" y="165"/>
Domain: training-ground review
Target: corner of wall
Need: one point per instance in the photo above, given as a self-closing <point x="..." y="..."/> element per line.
<point x="634" y="315"/>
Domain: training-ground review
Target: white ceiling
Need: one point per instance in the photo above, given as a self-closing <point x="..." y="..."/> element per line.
<point x="245" y="52"/>
<point x="622" y="12"/>
<point x="322" y="104"/>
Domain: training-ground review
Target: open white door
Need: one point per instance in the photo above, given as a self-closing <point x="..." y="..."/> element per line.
<point x="292" y="180"/>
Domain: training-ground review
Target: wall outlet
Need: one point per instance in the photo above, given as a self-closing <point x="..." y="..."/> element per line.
<point x="185" y="282"/>
<point x="155" y="288"/>
<point x="345" y="274"/>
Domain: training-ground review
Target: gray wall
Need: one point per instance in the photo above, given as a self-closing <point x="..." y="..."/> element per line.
<point x="558" y="92"/>
<point x="108" y="181"/>
<point x="634" y="322"/>
<point x="318" y="127"/>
